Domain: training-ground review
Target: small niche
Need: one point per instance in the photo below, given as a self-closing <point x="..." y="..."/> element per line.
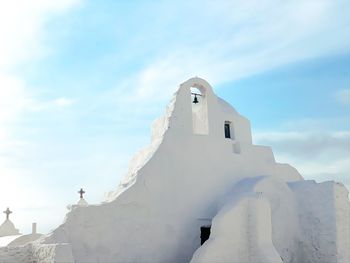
<point x="236" y="147"/>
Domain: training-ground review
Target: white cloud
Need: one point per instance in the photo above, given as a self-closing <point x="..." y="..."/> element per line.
<point x="12" y="97"/>
<point x="224" y="41"/>
<point x="22" y="28"/>
<point x="63" y="102"/>
<point x="343" y="96"/>
<point x="21" y="38"/>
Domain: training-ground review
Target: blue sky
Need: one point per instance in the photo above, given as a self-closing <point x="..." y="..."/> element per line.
<point x="81" y="82"/>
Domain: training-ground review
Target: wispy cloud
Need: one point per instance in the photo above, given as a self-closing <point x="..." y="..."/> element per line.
<point x="309" y="145"/>
<point x="250" y="37"/>
<point x="22" y="28"/>
<point x="21" y="39"/>
<point x="22" y="33"/>
<point x="62" y="102"/>
<point x="343" y="96"/>
<point x="13" y="98"/>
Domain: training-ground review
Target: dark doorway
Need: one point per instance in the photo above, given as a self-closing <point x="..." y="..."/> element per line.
<point x="227" y="130"/>
<point x="205" y="233"/>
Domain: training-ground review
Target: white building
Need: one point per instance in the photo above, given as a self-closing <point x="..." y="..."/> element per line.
<point x="202" y="175"/>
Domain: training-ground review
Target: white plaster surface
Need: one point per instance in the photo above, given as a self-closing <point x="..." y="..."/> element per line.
<point x="34" y="253"/>
<point x="248" y="240"/>
<point x="82" y="202"/>
<point x="24" y="239"/>
<point x="261" y="211"/>
<point x="6" y="240"/>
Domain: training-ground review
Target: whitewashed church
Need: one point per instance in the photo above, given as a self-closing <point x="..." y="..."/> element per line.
<point x="201" y="192"/>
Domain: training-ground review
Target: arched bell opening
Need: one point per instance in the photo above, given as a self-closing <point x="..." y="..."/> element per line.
<point x="199" y="110"/>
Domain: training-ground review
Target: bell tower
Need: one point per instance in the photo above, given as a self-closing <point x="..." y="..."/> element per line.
<point x="199" y="110"/>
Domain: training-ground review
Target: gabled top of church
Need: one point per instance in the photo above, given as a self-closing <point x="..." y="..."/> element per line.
<point x="195" y="114"/>
<point x="196" y="110"/>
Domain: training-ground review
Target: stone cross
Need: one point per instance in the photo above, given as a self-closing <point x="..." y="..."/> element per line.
<point x="81" y="192"/>
<point x="7" y="212"/>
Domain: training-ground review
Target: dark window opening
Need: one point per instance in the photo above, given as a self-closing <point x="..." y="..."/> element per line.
<point x="227" y="130"/>
<point x="205" y="233"/>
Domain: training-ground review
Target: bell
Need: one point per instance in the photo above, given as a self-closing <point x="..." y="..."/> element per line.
<point x="195" y="100"/>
